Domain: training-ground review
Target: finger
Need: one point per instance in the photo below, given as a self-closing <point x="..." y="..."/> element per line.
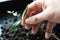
<point x="35" y="6"/>
<point x="44" y="15"/>
<point x="26" y="16"/>
<point x="49" y="30"/>
<point x="27" y="26"/>
<point x="35" y="28"/>
<point x="29" y="13"/>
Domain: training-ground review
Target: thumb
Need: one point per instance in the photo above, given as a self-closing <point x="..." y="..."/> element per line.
<point x="44" y="15"/>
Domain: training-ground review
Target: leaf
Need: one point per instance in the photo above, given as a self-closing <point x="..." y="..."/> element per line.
<point x="15" y="14"/>
<point x="18" y="15"/>
<point x="15" y="25"/>
<point x="9" y="12"/>
<point x="24" y="12"/>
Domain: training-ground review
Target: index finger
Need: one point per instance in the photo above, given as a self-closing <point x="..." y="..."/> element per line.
<point x="34" y="8"/>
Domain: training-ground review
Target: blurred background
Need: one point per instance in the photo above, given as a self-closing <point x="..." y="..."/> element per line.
<point x="6" y="20"/>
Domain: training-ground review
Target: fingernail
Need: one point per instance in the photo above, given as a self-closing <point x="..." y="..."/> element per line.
<point x="47" y="35"/>
<point x="21" y="23"/>
<point x="33" y="32"/>
<point x="28" y="21"/>
<point x="26" y="27"/>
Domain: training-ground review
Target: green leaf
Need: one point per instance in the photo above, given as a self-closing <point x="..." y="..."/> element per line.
<point x="15" y="25"/>
<point x="24" y="12"/>
<point x="18" y="15"/>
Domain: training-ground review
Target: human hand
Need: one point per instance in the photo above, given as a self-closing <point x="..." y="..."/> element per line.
<point x="41" y="10"/>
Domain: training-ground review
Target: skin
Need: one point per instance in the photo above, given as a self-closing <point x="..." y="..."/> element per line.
<point x="41" y="10"/>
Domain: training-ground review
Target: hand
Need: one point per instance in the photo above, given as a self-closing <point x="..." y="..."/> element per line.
<point x="41" y="10"/>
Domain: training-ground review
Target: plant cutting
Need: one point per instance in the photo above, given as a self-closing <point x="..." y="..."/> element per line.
<point x="17" y="23"/>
